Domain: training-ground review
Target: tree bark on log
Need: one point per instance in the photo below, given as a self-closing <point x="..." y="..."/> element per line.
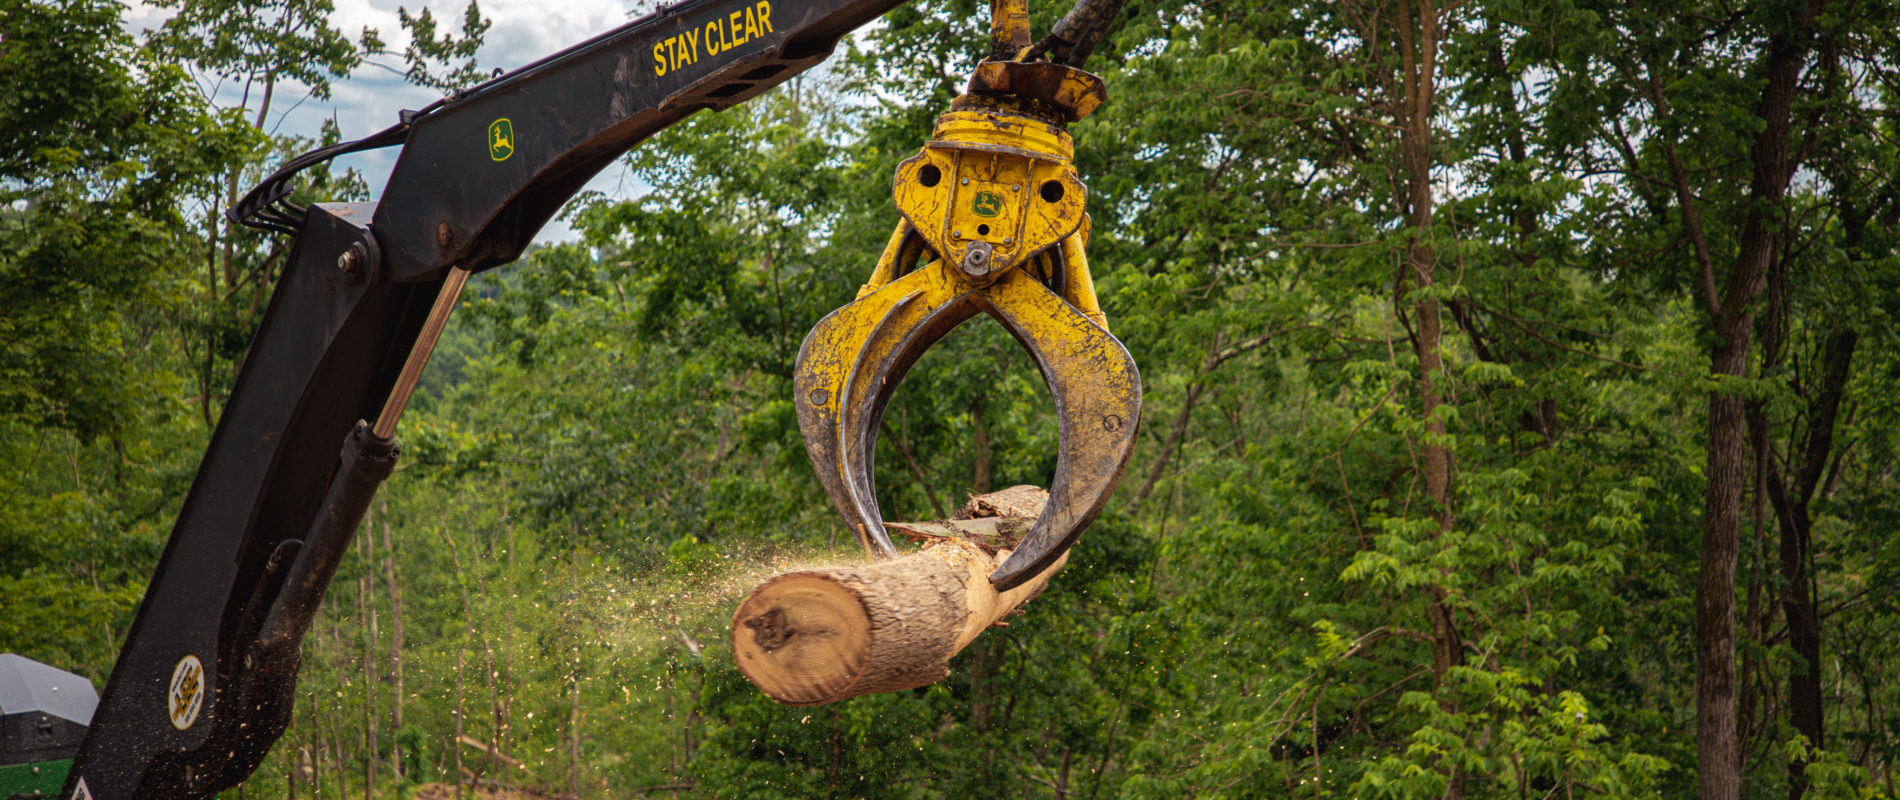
<point x="821" y="635"/>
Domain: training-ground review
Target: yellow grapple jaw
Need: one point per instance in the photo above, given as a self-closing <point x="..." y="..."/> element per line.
<point x="994" y="221"/>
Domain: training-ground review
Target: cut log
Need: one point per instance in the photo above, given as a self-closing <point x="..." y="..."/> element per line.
<point x="992" y="534"/>
<point x="1020" y="501"/>
<point x="822" y="635"/>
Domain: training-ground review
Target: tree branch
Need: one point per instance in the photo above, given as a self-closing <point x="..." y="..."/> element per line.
<point x="915" y="470"/>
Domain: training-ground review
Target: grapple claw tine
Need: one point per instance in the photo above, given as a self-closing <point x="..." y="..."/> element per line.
<point x="878" y="541"/>
<point x="855" y="359"/>
<point x="844" y="377"/>
<point x="1097" y="392"/>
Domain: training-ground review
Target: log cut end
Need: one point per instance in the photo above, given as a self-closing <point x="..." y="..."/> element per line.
<point x="822" y="635"/>
<point x="801" y="638"/>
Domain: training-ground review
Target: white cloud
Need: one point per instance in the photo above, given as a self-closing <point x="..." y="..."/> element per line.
<point x="141" y="16"/>
<point x="526" y="30"/>
<point x="369" y="100"/>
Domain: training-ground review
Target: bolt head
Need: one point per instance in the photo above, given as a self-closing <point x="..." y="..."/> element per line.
<point x="976" y="260"/>
<point x="353" y="260"/>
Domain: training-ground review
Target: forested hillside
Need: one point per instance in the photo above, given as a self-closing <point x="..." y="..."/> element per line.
<point x="1521" y="413"/>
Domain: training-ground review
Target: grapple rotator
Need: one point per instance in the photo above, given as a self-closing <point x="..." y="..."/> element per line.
<point x="993" y="221"/>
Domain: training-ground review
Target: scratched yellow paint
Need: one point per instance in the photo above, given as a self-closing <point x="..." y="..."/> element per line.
<point x="867" y="331"/>
<point x="1078" y="285"/>
<point x="989" y="186"/>
<point x="1004" y="180"/>
<point x="1000" y="186"/>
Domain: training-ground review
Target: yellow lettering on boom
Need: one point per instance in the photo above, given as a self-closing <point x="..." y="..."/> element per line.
<point x="720" y="35"/>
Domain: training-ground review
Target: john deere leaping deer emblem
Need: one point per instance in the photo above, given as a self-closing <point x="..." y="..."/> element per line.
<point x="501" y="139"/>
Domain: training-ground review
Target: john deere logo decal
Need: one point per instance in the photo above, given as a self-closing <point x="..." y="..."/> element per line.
<point x="987" y="204"/>
<point x="501" y="139"/>
<point x="187" y="694"/>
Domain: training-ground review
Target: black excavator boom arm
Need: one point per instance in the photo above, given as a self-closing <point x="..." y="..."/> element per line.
<point x="206" y="680"/>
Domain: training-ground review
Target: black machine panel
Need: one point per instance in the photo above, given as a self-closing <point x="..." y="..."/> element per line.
<point x="206" y="679"/>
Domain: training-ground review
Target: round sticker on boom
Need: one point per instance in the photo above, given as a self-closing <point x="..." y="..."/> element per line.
<point x="187" y="695"/>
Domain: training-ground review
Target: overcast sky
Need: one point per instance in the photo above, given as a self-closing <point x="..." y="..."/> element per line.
<point x="523" y="31"/>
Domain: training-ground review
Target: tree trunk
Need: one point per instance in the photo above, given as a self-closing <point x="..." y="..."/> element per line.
<point x="504" y="714"/>
<point x="366" y="603"/>
<point x="574" y="689"/>
<point x="1805" y="700"/>
<point x="339" y="757"/>
<point x="1419" y="31"/>
<point x="818" y="636"/>
<point x="342" y="759"/>
<point x="494" y="696"/>
<point x="395" y="638"/>
<point x="1718" y="752"/>
<point x="980" y="437"/>
<point x="461" y="661"/>
<point x="313" y="752"/>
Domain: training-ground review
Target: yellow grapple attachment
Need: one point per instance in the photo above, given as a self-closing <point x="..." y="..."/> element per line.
<point x="994" y="221"/>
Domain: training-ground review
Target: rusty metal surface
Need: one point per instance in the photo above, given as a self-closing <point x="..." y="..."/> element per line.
<point x="1009" y="28"/>
<point x="1073" y="92"/>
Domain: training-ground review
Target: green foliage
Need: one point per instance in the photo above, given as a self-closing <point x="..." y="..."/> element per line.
<point x="95" y="430"/>
<point x="426" y="47"/>
<point x="90" y="211"/>
<point x="258" y="40"/>
<point x="604" y="456"/>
